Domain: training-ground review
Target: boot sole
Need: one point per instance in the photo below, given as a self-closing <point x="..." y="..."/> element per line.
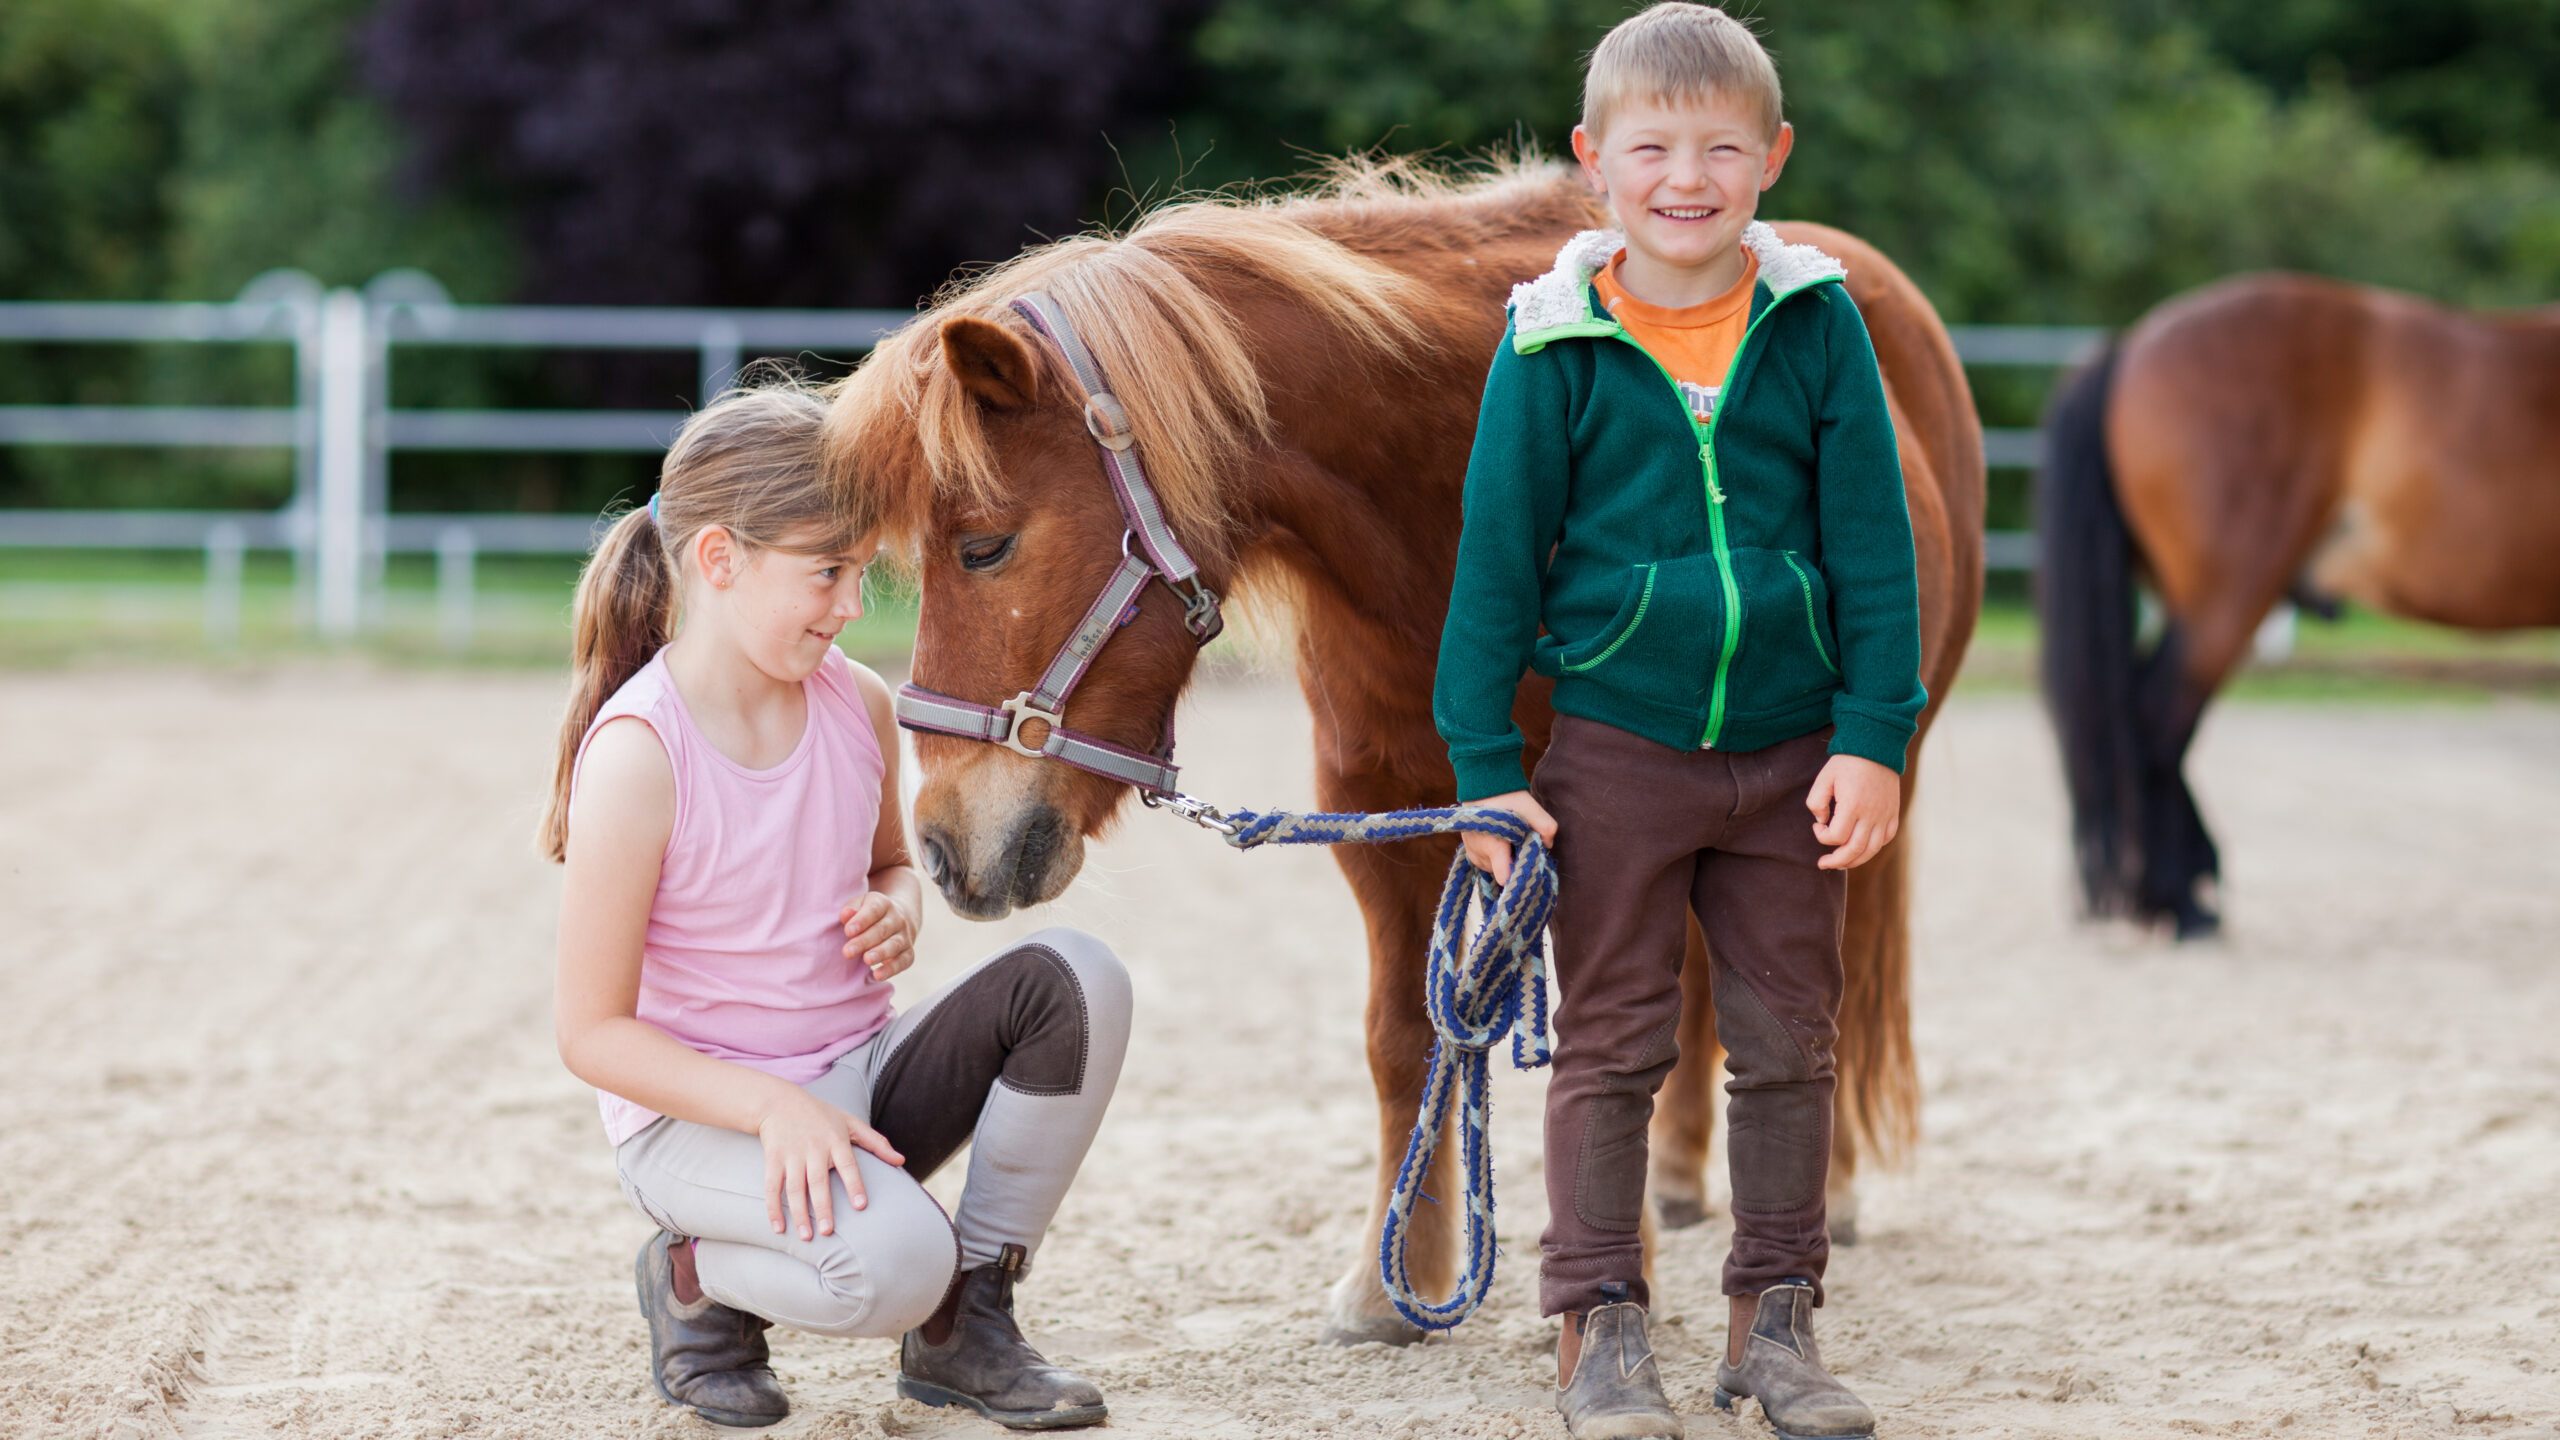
<point x="734" y="1419"/>
<point x="1725" y="1399"/>
<point x="926" y="1394"/>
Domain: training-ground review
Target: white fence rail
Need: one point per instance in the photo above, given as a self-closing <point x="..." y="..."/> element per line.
<point x="339" y="523"/>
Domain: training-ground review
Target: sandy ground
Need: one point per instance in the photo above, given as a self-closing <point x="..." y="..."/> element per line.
<point x="284" y="1148"/>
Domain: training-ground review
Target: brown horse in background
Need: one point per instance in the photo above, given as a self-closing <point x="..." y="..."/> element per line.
<point x="1303" y="376"/>
<point x="2266" y="436"/>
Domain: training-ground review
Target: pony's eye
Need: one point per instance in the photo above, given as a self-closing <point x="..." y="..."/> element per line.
<point x="986" y="552"/>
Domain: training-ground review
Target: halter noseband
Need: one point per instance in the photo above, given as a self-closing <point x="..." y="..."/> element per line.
<point x="1149" y="551"/>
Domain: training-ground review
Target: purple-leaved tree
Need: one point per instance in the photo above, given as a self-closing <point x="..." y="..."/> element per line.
<point x="794" y="152"/>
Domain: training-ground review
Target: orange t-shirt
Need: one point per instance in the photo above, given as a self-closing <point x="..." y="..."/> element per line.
<point x="1695" y="342"/>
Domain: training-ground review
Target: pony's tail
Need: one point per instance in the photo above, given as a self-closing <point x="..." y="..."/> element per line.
<point x="2085" y="599"/>
<point x="624" y="612"/>
<point x="1879" y="1086"/>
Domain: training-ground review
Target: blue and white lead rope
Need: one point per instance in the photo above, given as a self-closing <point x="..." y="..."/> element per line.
<point x="1497" y="987"/>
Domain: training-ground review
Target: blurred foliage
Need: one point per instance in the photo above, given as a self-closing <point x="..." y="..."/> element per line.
<point x="823" y="153"/>
<point x="175" y="149"/>
<point x="2025" y="161"/>
<point x="2464" y="78"/>
<point x="89" y="126"/>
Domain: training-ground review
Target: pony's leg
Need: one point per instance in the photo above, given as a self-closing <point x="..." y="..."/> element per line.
<point x="2224" y="492"/>
<point x="1397" y="887"/>
<point x="1684" y="1116"/>
<point x="2214" y="605"/>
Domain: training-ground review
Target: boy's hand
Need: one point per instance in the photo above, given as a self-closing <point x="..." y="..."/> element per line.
<point x="1857" y="808"/>
<point x="1492" y="853"/>
<point x="804" y="1138"/>
<point x="880" y="933"/>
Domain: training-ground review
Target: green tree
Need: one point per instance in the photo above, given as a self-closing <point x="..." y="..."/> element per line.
<point x="2025" y="162"/>
<point x="2462" y="78"/>
<point x="89" y="118"/>
<point x="173" y="149"/>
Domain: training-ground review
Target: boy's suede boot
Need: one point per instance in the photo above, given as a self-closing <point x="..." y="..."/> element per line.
<point x="702" y="1354"/>
<point x="1615" y="1390"/>
<point x="981" y="1361"/>
<point x="1782" y="1369"/>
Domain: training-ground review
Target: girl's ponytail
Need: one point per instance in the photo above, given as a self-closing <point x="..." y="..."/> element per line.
<point x="625" y="610"/>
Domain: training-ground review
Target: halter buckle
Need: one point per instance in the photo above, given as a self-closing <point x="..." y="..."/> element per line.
<point x="1019" y="709"/>
<point x="1107" y="421"/>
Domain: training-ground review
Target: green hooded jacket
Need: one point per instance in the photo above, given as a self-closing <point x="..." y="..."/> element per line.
<point x="1726" y="585"/>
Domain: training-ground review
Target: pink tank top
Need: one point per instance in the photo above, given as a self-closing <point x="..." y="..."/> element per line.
<point x="744" y="958"/>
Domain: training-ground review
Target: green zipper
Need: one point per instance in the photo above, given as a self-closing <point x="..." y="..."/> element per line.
<point x="1643" y="601"/>
<point x="1805" y="582"/>
<point x="1715" y="497"/>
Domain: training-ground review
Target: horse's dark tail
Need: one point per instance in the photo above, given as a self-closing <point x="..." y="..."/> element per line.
<point x="2122" y="717"/>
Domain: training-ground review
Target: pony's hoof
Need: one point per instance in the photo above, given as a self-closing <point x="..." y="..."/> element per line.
<point x="1845" y="1232"/>
<point x="1679" y="1212"/>
<point x="1373" y="1330"/>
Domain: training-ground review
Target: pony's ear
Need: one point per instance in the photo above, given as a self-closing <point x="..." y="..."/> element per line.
<point x="992" y="363"/>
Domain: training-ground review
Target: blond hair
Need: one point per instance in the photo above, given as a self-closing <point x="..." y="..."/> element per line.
<point x="1678" y="51"/>
<point x="747" y="462"/>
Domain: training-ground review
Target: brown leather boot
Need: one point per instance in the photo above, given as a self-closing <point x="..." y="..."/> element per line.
<point x="1615" y="1390"/>
<point x="704" y="1355"/>
<point x="983" y="1363"/>
<point x="1782" y="1368"/>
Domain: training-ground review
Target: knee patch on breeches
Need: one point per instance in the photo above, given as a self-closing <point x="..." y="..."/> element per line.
<point x="1609" y="1173"/>
<point x="1061" y="988"/>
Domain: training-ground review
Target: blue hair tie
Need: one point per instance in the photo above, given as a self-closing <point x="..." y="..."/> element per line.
<point x="653" y="511"/>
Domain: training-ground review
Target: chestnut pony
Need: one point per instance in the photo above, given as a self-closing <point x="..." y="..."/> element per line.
<point x="2267" y="435"/>
<point x="1302" y="375"/>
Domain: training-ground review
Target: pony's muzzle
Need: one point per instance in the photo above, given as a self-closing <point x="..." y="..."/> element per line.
<point x="1028" y="863"/>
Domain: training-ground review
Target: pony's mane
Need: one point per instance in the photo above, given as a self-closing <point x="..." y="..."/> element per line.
<point x="903" y="431"/>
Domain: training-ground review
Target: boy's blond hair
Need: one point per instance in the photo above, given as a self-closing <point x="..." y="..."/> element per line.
<point x="1678" y="51"/>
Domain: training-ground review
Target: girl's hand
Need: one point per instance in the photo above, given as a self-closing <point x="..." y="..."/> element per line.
<point x="804" y="1138"/>
<point x="1857" y="809"/>
<point x="1492" y="853"/>
<point x="880" y="933"/>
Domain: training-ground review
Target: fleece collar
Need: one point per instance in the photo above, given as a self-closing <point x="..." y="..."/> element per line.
<point x="1558" y="303"/>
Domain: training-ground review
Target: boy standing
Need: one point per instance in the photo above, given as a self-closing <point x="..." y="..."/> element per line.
<point x="1684" y="471"/>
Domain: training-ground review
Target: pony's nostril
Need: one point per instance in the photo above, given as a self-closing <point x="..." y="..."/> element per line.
<point x="937" y="860"/>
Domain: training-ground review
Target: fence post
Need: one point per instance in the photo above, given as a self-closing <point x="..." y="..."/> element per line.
<point x="394" y="297"/>
<point x="224" y="545"/>
<point x="339" y="516"/>
<point x="720" y="355"/>
<point x="296" y="296"/>
<point x="456" y="554"/>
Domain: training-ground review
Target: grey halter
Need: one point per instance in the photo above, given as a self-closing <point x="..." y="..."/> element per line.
<point x="1149" y="551"/>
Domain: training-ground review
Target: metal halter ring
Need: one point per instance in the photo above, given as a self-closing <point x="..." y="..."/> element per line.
<point x="1021" y="709"/>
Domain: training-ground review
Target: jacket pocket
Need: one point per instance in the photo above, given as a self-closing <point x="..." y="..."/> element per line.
<point x="1788" y="649"/>
<point x="1589" y="653"/>
<point x="1662" y="644"/>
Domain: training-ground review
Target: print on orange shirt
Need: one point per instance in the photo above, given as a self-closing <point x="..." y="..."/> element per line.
<point x="1695" y="343"/>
